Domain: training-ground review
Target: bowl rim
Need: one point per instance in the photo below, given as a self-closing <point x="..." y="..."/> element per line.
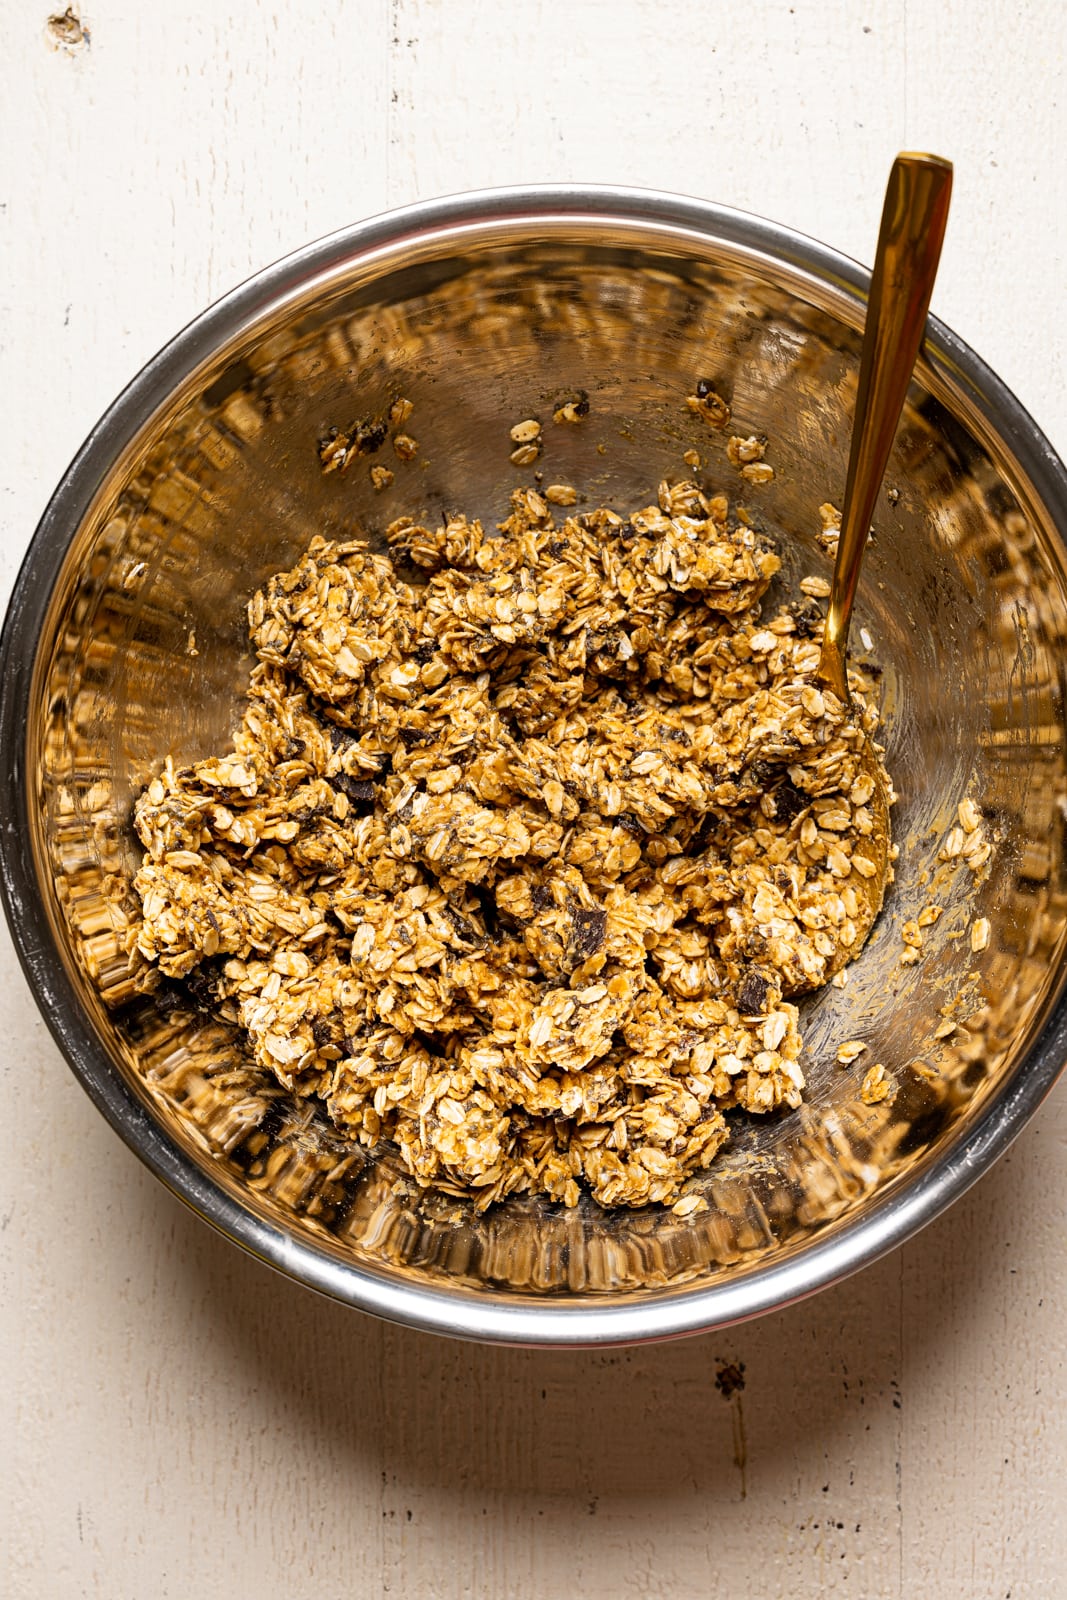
<point x="460" y="1311"/>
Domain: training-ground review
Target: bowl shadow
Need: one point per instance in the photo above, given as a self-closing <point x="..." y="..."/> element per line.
<point x="514" y="1425"/>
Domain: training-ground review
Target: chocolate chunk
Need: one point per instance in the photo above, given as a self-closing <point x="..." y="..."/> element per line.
<point x="540" y="896"/>
<point x="789" y="801"/>
<point x="752" y="995"/>
<point x="322" y="1031"/>
<point x="588" y="933"/>
<point x="808" y="618"/>
<point x="358" y="790"/>
<point x="200" y="986"/>
<point x="368" y="437"/>
<point x="705" y="832"/>
<point x="704" y="388"/>
<point x="461" y="927"/>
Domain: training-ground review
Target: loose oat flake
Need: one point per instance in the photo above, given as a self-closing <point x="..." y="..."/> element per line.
<point x="522" y="868"/>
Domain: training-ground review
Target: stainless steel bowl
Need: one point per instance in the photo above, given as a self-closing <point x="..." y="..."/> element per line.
<point x="125" y="641"/>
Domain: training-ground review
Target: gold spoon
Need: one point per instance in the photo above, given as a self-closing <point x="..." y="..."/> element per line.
<point x="905" y="265"/>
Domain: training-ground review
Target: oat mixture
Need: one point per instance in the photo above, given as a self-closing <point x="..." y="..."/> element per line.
<point x="522" y="867"/>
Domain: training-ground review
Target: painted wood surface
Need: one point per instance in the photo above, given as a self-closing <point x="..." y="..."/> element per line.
<point x="177" y="1420"/>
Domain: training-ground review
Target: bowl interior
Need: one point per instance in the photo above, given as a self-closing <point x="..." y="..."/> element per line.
<point x="142" y="652"/>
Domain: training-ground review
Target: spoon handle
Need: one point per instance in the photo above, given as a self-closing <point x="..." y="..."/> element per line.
<point x="905" y="264"/>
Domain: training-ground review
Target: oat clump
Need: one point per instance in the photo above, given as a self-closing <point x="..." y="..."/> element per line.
<point x="520" y="868"/>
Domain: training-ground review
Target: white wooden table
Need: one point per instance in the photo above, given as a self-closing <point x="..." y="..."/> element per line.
<point x="179" y="1421"/>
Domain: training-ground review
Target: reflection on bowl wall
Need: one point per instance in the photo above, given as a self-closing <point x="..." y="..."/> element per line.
<point x="126" y="641"/>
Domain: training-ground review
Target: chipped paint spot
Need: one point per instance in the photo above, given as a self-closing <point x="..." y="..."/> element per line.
<point x="730" y="1382"/>
<point x="67" y="32"/>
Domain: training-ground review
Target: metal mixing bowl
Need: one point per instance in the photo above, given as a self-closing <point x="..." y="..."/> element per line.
<point x="125" y="641"/>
